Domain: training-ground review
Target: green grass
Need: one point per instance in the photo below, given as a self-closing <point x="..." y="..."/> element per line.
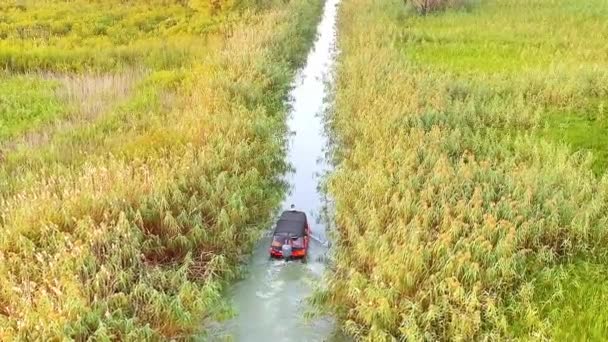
<point x="575" y="297"/>
<point x="122" y="130"/>
<point x="513" y="39"/>
<point x="512" y="36"/>
<point x="584" y="131"/>
<point x="27" y="102"/>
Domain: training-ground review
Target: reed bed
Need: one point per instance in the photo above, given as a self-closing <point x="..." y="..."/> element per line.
<point x="448" y="205"/>
<point x="132" y="233"/>
<point x="76" y="36"/>
<point x="93" y="94"/>
<point x="77" y="100"/>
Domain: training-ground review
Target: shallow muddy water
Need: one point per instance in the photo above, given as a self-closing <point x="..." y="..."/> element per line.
<point x="270" y="300"/>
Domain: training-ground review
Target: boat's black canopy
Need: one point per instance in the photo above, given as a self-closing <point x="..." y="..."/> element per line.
<point x="291" y="222"/>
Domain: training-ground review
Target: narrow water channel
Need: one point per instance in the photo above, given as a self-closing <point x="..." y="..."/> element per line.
<point x="270" y="301"/>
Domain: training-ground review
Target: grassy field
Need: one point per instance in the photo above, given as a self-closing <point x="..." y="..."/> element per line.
<point x="105" y="35"/>
<point x="27" y="102"/>
<point x="558" y="43"/>
<point x="468" y="206"/>
<point x="132" y="184"/>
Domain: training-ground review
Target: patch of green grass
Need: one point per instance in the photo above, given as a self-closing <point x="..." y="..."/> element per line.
<point x="26" y="102"/>
<point x="472" y="57"/>
<point x="575" y="298"/>
<point x="583" y="131"/>
<point x="543" y="47"/>
<point x="511" y="36"/>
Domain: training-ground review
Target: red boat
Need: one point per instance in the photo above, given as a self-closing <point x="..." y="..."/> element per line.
<point x="291" y="236"/>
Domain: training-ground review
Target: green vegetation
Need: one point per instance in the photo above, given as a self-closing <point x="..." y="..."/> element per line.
<point x="560" y="43"/>
<point x="573" y="298"/>
<point x="127" y="220"/>
<point x="456" y="217"/>
<point x="584" y="130"/>
<point x="503" y="37"/>
<point x="105" y="35"/>
<point x="26" y="102"/>
<point x="91" y="54"/>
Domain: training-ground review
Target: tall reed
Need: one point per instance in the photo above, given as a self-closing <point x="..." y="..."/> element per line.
<point x="447" y="206"/>
<point x="135" y="241"/>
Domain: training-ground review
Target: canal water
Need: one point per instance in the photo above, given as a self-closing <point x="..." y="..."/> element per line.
<point x="270" y="300"/>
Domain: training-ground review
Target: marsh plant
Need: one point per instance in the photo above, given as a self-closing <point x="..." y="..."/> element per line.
<point x="449" y="202"/>
<point x="128" y="226"/>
